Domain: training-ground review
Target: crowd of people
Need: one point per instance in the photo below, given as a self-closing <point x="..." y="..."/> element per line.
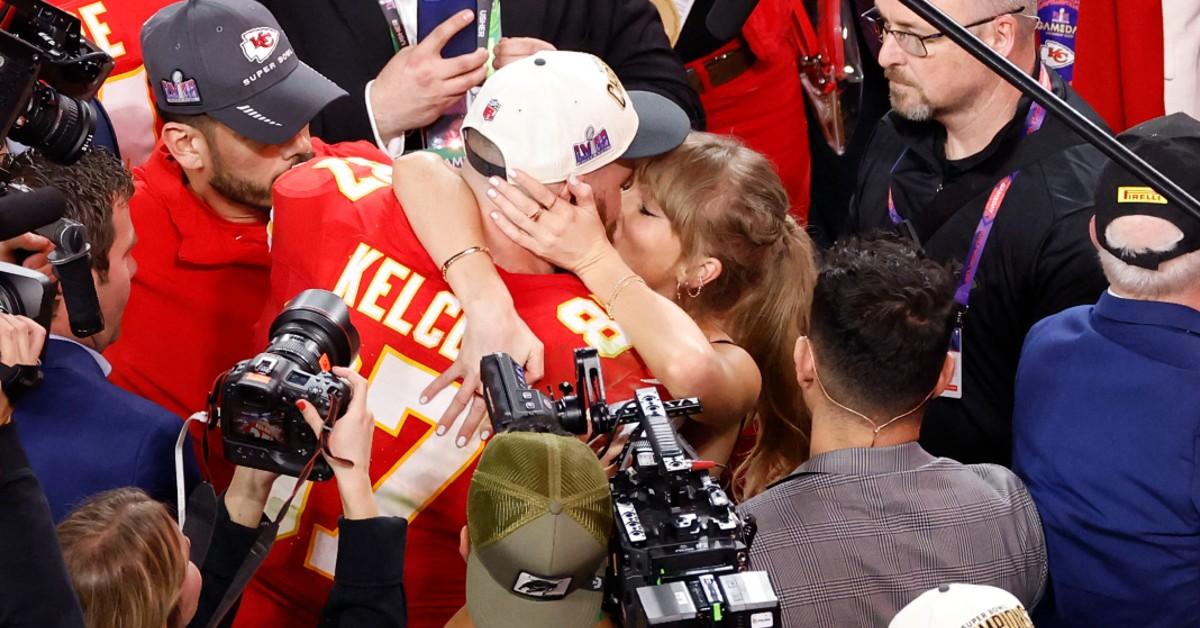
<point x="967" y="398"/>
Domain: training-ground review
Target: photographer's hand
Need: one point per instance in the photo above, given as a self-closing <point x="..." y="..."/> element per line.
<point x="21" y="342"/>
<point x="350" y="439"/>
<point x="39" y="247"/>
<point x="247" y="495"/>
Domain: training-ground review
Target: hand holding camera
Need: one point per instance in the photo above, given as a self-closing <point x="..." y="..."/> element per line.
<point x="349" y="442"/>
<point x="21" y="342"/>
<point x="256" y="402"/>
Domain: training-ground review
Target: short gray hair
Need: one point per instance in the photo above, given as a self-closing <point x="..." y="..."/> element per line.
<point x="1129" y="234"/>
<point x="1028" y="23"/>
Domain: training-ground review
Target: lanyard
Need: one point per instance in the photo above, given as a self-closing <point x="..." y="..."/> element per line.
<point x="1033" y="123"/>
<point x="392" y="15"/>
<point x="491" y="33"/>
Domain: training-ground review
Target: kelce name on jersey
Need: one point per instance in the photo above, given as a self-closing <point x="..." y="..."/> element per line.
<point x="425" y="331"/>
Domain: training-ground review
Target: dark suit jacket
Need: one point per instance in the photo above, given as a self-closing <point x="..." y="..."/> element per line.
<point x="349" y="42"/>
<point x="83" y="435"/>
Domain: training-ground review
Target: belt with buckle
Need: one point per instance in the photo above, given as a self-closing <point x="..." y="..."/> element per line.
<point x="721" y="68"/>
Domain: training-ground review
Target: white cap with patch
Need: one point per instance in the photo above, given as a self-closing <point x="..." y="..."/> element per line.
<point x="963" y="606"/>
<point x="557" y="113"/>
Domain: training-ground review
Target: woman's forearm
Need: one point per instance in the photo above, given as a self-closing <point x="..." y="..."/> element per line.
<point x="674" y="347"/>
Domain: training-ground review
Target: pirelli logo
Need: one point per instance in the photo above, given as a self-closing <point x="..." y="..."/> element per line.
<point x="1131" y="194"/>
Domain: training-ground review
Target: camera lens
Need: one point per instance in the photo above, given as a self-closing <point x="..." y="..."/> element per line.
<point x="60" y="126"/>
<point x="10" y="301"/>
<point x="316" y="323"/>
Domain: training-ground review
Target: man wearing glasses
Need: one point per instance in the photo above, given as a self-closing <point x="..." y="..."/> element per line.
<point x="979" y="174"/>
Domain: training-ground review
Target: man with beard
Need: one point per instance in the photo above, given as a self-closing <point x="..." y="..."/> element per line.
<point x="978" y="174"/>
<point x="235" y="102"/>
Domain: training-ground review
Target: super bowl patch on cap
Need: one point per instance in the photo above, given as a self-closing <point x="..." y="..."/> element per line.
<point x="180" y="90"/>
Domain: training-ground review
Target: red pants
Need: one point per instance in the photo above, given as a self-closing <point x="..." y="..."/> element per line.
<point x="764" y="107"/>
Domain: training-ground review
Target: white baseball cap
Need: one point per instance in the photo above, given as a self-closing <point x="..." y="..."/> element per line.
<point x="558" y="113"/>
<point x="963" y="606"/>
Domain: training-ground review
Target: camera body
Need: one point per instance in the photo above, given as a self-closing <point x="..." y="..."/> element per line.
<point x="681" y="551"/>
<point x="255" y="402"/>
<point x="25" y="292"/>
<point x="261" y="426"/>
<point x="48" y="71"/>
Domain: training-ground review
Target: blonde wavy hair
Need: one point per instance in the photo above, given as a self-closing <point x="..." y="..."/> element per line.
<point x="125" y="560"/>
<point x="726" y="201"/>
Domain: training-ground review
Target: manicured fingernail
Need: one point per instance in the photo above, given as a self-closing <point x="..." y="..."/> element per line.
<point x="485" y="435"/>
<point x="462" y="441"/>
<point x="301" y="404"/>
<point x="495" y="216"/>
<point x="441" y="430"/>
<point x="573" y="180"/>
<point x="495" y="181"/>
<point x="468" y="16"/>
<point x="491" y="192"/>
<point x="424" y="400"/>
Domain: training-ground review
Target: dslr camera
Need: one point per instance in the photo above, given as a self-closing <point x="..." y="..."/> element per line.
<point x="681" y="554"/>
<point x="254" y="403"/>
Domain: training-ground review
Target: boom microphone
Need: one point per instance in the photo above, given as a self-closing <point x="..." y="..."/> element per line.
<point x="23" y="210"/>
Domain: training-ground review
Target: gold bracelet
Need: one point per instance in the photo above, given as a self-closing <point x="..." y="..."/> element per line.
<point x="617" y="291"/>
<point x="461" y="254"/>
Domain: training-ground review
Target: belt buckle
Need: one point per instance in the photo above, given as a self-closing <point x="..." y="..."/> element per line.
<point x="719" y="58"/>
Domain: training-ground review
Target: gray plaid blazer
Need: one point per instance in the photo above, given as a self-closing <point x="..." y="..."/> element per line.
<point x="853" y="535"/>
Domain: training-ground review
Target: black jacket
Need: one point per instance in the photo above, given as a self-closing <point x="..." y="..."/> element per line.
<point x="349" y="42"/>
<point x="368" y="584"/>
<point x="35" y="591"/>
<point x="1039" y="259"/>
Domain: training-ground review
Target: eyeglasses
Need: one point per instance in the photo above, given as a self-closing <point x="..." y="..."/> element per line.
<point x="912" y="43"/>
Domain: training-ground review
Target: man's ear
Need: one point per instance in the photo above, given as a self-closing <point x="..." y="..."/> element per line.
<point x="946" y="376"/>
<point x="187" y="145"/>
<point x="806" y="369"/>
<point x="1005" y="32"/>
<point x="464" y="543"/>
<point x="1092" y="233"/>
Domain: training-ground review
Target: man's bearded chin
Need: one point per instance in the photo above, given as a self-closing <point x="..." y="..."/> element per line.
<point x="907" y="99"/>
<point x="250" y="193"/>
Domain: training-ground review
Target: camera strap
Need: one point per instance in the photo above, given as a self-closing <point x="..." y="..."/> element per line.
<point x="204" y="518"/>
<point x="260" y="549"/>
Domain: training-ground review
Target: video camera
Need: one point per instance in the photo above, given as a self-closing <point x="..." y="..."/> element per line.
<point x="681" y="552"/>
<point x="254" y="403"/>
<point x="47" y="73"/>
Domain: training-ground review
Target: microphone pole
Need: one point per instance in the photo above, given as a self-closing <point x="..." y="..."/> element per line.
<point x="1029" y="86"/>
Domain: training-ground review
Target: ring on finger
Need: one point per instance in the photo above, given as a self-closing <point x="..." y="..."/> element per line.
<point x="537" y="213"/>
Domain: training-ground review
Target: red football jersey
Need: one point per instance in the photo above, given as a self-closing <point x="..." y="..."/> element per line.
<point x="338" y="226"/>
<point x="115" y="26"/>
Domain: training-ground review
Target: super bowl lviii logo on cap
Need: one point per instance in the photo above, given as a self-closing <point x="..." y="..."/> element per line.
<point x="179" y="90"/>
<point x="594" y="145"/>
<point x="259" y="43"/>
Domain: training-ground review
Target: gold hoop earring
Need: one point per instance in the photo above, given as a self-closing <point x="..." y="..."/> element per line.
<point x="697" y="292"/>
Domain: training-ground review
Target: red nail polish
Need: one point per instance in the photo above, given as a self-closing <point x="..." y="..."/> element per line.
<point x="301" y="404"/>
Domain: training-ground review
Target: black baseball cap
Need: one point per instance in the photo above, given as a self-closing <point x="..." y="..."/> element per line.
<point x="1172" y="145"/>
<point x="231" y="60"/>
